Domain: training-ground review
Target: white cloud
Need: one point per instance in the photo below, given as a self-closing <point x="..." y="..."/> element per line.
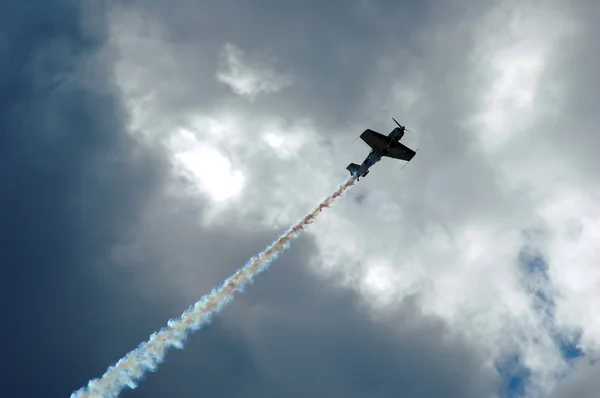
<point x="519" y="44"/>
<point x="206" y="166"/>
<point x="573" y="250"/>
<point x="246" y="77"/>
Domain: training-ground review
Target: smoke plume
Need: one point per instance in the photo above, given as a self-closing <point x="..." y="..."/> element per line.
<point x="148" y="355"/>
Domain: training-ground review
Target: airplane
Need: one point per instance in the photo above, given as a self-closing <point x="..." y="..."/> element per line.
<point x="381" y="146"/>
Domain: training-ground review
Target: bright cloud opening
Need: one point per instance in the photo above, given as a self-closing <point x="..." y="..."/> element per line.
<point x="207" y="167"/>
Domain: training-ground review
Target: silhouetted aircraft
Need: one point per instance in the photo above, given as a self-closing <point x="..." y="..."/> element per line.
<point x="381" y="146"/>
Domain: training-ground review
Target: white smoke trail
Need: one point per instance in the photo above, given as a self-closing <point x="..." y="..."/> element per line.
<point x="147" y="356"/>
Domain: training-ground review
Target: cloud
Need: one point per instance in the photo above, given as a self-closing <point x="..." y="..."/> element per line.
<point x="361" y="357"/>
<point x="583" y="382"/>
<point x="246" y="77"/>
<point x="206" y="166"/>
<point x="294" y="335"/>
<point x="291" y="333"/>
<point x="476" y="87"/>
<point x="176" y="182"/>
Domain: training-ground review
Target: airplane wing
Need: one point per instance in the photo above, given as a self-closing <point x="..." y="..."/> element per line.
<point x="400" y="151"/>
<point x="374" y="139"/>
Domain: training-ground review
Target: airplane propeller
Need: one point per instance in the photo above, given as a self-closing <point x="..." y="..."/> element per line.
<point x="401" y="126"/>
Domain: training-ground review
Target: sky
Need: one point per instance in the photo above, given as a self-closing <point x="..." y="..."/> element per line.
<point x="149" y="149"/>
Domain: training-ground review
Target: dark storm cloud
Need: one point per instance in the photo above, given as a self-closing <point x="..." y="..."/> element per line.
<point x="70" y="181"/>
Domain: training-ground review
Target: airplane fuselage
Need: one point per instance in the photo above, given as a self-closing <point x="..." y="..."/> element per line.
<point x="372" y="158"/>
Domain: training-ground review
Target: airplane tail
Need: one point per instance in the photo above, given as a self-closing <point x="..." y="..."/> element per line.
<point x="353" y="168"/>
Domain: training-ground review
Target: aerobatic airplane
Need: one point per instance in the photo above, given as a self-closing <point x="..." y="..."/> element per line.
<point x="381" y="146"/>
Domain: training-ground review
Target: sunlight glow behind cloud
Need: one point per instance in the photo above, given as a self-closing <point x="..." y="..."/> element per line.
<point x="207" y="167"/>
